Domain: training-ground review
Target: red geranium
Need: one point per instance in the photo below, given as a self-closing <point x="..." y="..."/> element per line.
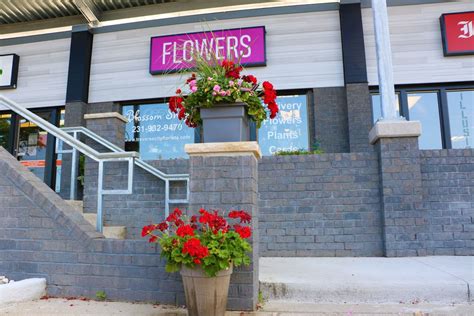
<point x="244" y="216"/>
<point x="189" y="241"/>
<point x="250" y="78"/>
<point x="185" y="230"/>
<point x="194" y="248"/>
<point x="147" y="230"/>
<point x="243" y="231"/>
<point x="232" y="70"/>
<point x="162" y="226"/>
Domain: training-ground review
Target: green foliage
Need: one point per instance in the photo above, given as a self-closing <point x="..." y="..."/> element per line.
<point x="224" y="249"/>
<point x="261" y="300"/>
<point x="82" y="162"/>
<point x="209" y="240"/>
<point x="101" y="295"/>
<point x="315" y="150"/>
<point x="210" y="72"/>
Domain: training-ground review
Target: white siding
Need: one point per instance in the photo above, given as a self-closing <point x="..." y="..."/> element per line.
<point x="303" y="51"/>
<point x="42" y="74"/>
<point x="417" y="46"/>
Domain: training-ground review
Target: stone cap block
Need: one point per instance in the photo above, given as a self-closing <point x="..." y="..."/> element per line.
<point x="224" y="149"/>
<point x="106" y="115"/>
<point x="394" y="129"/>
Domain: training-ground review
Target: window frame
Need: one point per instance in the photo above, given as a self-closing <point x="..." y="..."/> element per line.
<point x="441" y="89"/>
<point x="252" y="126"/>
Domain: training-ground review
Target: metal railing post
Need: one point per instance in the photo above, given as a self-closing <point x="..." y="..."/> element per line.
<point x="167" y="198"/>
<point x="100" y="182"/>
<point x="131" y="164"/>
<point x="74" y="162"/>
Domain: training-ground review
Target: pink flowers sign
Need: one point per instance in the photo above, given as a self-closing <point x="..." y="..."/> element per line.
<point x="171" y="53"/>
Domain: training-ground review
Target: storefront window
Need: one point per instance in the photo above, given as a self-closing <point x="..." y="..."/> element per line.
<point x="424" y="107"/>
<point x="155" y="132"/>
<point x="377" y="106"/>
<point x="5" y="122"/>
<point x="289" y="130"/>
<point x="32" y="145"/>
<point x="461" y="118"/>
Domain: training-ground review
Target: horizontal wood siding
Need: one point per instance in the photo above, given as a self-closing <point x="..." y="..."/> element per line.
<point x="303" y="51"/>
<point x="42" y="74"/>
<point x="417" y="46"/>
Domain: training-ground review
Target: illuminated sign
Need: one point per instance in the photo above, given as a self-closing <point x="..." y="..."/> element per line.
<point x="457" y="31"/>
<point x="8" y="71"/>
<point x="173" y="53"/>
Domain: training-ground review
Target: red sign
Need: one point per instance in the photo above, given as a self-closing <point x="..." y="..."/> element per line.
<point x="457" y="30"/>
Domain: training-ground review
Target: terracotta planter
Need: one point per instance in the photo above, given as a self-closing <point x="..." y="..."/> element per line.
<point x="225" y="122"/>
<point x="206" y="296"/>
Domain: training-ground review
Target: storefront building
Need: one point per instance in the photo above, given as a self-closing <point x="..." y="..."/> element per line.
<point x="400" y="196"/>
<point x="327" y="81"/>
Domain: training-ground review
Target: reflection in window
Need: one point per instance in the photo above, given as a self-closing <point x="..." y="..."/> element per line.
<point x="5" y="122"/>
<point x="155" y="132"/>
<point x="423" y="107"/>
<point x="377" y="106"/>
<point x="289" y="130"/>
<point x="461" y="118"/>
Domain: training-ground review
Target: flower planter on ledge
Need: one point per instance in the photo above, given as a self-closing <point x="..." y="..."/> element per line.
<point x="225" y="122"/>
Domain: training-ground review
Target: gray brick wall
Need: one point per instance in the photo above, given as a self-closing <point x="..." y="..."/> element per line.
<point x="320" y="205"/>
<point x="404" y="218"/>
<point x="145" y="205"/>
<point x="330" y="119"/>
<point x="448" y="196"/>
<point x="359" y="115"/>
<point x="41" y="236"/>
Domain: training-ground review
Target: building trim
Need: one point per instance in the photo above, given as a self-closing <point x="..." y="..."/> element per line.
<point x="79" y="67"/>
<point x="353" y="48"/>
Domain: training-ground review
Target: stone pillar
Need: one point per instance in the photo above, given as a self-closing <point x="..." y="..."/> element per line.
<point x="111" y="126"/>
<point x="330" y="119"/>
<point x="73" y="117"/>
<point x="359" y="116"/>
<point x="401" y="187"/>
<point x="224" y="176"/>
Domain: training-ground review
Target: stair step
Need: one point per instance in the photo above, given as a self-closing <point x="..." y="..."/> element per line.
<point x="76" y="204"/>
<point x="114" y="232"/>
<point x="91" y="218"/>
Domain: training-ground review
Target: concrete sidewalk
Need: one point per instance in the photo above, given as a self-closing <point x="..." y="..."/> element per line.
<point x="442" y="280"/>
<point x="65" y="307"/>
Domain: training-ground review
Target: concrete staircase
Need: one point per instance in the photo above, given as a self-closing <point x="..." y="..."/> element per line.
<point x="367" y="280"/>
<point x="113" y="232"/>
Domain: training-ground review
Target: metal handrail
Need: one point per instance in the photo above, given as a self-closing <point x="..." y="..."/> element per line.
<point x="104" y="142"/>
<point x="167" y="178"/>
<point x="77" y="145"/>
<point x="58" y="133"/>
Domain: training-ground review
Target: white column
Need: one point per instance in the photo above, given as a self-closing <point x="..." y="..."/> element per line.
<point x="384" y="60"/>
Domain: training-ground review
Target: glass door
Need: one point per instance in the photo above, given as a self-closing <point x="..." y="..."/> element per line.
<point x="5" y="130"/>
<point x="34" y="147"/>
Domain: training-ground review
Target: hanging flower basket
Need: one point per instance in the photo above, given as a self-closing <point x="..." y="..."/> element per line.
<point x="204" y="248"/>
<point x="221" y="100"/>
